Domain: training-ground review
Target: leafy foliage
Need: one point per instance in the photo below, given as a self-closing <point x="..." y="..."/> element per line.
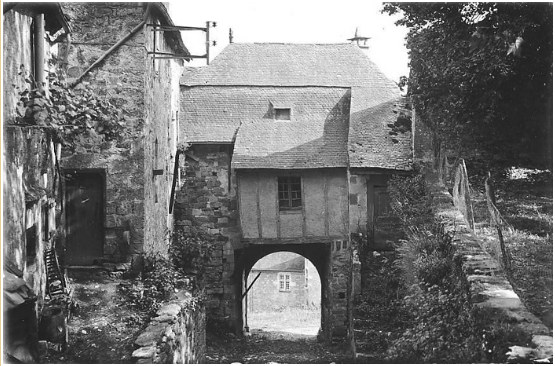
<point x="190" y="253"/>
<point x="76" y="116"/>
<point x="481" y="73"/>
<point x="445" y="327"/>
<point x="160" y="279"/>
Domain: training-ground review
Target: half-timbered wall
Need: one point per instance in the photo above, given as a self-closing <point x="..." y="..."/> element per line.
<point x="323" y="215"/>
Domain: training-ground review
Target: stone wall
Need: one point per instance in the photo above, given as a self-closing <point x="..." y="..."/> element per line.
<point x="340" y="296"/>
<point x="489" y="286"/>
<point x="206" y="205"/>
<point x="176" y="335"/>
<point x="121" y="80"/>
<point x="160" y="142"/>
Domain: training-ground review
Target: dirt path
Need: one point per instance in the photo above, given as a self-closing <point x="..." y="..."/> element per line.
<point x="104" y="329"/>
<point x="272" y="347"/>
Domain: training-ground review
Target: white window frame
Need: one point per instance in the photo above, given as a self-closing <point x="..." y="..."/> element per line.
<point x="284" y="281"/>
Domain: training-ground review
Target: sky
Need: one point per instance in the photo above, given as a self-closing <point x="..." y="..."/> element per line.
<point x="299" y="21"/>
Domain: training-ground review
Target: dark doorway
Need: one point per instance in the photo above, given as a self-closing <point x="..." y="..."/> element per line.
<point x="84" y="217"/>
<point x="384" y="228"/>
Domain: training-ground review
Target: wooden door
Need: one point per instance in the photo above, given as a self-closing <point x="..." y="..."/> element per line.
<point x="385" y="229"/>
<point x="84" y="217"/>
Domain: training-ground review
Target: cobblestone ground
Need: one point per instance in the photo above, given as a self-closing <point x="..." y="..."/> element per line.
<point x="287" y="336"/>
<point x="104" y="329"/>
<point x="263" y="347"/>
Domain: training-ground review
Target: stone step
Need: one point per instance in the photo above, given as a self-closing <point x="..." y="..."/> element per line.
<point x="366" y="358"/>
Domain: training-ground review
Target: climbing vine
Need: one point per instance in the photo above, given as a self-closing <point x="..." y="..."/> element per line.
<point x="75" y="116"/>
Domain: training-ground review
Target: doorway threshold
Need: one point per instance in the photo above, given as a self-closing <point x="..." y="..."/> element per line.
<point x="84" y="267"/>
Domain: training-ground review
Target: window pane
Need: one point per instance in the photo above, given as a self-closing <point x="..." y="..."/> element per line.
<point x="283" y="114"/>
<point x="289" y="192"/>
<point x="283" y="203"/>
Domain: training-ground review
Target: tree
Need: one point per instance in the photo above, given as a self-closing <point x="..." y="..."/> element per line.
<point x="481" y="73"/>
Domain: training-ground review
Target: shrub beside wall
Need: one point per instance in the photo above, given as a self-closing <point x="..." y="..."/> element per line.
<point x="446" y="326"/>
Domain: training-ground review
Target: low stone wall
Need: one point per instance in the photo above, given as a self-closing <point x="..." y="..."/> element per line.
<point x="176" y="335"/>
<point x="489" y="286"/>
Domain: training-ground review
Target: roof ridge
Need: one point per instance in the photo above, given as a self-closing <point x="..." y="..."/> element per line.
<point x="298" y="43"/>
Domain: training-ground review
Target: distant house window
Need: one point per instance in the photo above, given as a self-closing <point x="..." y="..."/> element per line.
<point x="283" y="114"/>
<point x="284" y="282"/>
<point x="289" y="191"/>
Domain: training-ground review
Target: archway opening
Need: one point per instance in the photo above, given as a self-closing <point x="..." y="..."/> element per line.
<point x="284" y="295"/>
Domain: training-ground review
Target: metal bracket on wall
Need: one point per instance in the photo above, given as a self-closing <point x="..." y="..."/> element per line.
<point x="176" y="28"/>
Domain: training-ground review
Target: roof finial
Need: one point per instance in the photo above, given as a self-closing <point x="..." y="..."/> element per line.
<point x="360" y="41"/>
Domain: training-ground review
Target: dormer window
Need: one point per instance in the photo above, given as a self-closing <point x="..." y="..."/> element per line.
<point x="282" y="114"/>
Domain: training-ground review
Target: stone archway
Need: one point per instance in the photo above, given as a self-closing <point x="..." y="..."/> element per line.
<point x="283" y="295"/>
<point x="317" y="253"/>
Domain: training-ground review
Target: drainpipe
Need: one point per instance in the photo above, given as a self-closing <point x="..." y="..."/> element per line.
<point x="39" y="51"/>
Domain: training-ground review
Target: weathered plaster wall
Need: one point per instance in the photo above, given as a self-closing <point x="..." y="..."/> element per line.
<point x="266" y="296"/>
<point x="176" y="335"/>
<point x="30" y="181"/>
<point x="324" y="213"/>
<point x="16" y="51"/>
<point x="160" y="141"/>
<point x="121" y="80"/>
<point x="30" y="199"/>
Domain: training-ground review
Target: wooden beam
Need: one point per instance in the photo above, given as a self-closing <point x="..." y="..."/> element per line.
<point x="307" y="240"/>
<point x="326" y="208"/>
<point x="252" y="283"/>
<point x="174" y="182"/>
<point x="258" y="218"/>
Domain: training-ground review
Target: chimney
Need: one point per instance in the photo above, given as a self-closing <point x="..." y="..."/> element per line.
<point x="361" y="42"/>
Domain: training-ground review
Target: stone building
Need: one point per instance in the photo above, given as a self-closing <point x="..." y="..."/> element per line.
<point x="282" y="281"/>
<point x="290" y="148"/>
<point x="118" y="193"/>
<point x="30" y="189"/>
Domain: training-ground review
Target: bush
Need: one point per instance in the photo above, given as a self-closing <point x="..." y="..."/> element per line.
<point x="190" y="253"/>
<point x="160" y="279"/>
<point x="444" y="329"/>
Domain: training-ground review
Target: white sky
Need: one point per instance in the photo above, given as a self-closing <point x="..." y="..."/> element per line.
<point x="290" y="21"/>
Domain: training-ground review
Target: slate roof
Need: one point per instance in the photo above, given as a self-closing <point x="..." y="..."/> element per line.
<point x="231" y="98"/>
<point x="288" y="64"/>
<point x="281" y="261"/>
<point x="378" y="138"/>
<point x="315" y="137"/>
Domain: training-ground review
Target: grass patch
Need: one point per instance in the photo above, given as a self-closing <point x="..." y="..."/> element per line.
<point x="525" y="199"/>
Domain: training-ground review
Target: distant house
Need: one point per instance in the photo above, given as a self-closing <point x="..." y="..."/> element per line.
<point x="291" y="147"/>
<point x="285" y="281"/>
